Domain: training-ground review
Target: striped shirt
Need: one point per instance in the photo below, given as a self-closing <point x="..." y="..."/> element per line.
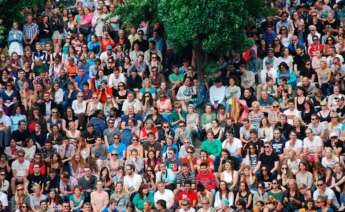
<point x="30" y="30"/>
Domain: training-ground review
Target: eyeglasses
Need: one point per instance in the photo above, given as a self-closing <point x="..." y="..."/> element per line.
<point x="165" y="127"/>
<point x="190" y="152"/>
<point x="80" y="96"/>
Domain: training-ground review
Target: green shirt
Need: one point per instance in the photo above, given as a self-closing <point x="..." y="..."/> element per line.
<point x="212" y="147"/>
<point x="173" y="77"/>
<point x="207" y="119"/>
<point x="139" y="202"/>
<point x="173" y="116"/>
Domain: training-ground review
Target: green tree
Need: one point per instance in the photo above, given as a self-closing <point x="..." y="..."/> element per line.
<point x="209" y="26"/>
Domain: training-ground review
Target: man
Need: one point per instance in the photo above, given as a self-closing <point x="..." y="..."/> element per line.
<point x="132" y="180"/>
<point x="167" y="176"/>
<point x="66" y="206"/>
<point x="152" y="50"/>
<point x="294" y="144"/>
<point x="211" y="145"/>
<point x="291" y="112"/>
<point x="164" y="194"/>
<point x="143" y="44"/>
<point x="111" y="206"/>
<point x="99" y="197"/>
<point x="245" y="131"/>
<point x="20" y="169"/>
<point x="36" y="178"/>
<point x="136" y="161"/>
<point x="233" y="146"/>
<point x="312" y="146"/>
<point x="117" y="146"/>
<point x="217" y="93"/>
<point x="269" y="159"/>
<point x="185" y="175"/>
<point x="21" y="134"/>
<point x="47" y="105"/>
<point x="323" y="191"/>
<point x="5" y="125"/>
<point x="131" y="103"/>
<point x="90" y="134"/>
<point x="30" y="31"/>
<point x="182" y="133"/>
<point x="172" y="162"/>
<point x="278" y="142"/>
<point x="207" y="178"/>
<point x="107" y="55"/>
<point x="186" y="193"/>
<point x="110" y="131"/>
<point x="87" y="182"/>
<point x="43" y="206"/>
<point x="116" y="78"/>
<point x="284" y="126"/>
<point x="316" y="126"/>
<point x="247" y="77"/>
<point x="81" y="79"/>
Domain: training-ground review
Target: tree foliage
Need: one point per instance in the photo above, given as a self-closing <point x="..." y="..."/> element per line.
<point x="132" y="12"/>
<point x="12" y="9"/>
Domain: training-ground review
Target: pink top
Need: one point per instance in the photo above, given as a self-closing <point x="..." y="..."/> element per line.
<point x="86" y="19"/>
<point x="164" y="106"/>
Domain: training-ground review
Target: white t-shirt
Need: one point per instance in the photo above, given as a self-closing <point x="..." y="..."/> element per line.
<point x="313" y="145"/>
<point x="21" y="168"/>
<point x="329" y="194"/>
<point x="168" y="196"/>
<point x="297" y="146"/>
<point x="233" y="147"/>
<point x="133" y="182"/>
<point x="291" y="114"/>
<point x="3" y="199"/>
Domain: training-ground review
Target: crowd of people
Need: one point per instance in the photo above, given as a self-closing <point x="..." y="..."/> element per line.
<point x="100" y="116"/>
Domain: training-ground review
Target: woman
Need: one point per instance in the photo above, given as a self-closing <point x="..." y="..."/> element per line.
<point x="275" y="192"/>
<point x="15" y="39"/>
<point x="233" y="90"/>
<point x="55" y="164"/>
<point x="265" y="129"/>
<point x="26" y="95"/>
<point x="324" y="114"/>
<point x="76" y="200"/>
<point x="334" y="125"/>
<point x="143" y="195"/>
<point x="293" y="198"/>
<point x="308" y="110"/>
<point x="77" y="165"/>
<point x="299" y="128"/>
<point x="303" y="176"/>
<point x="277" y="47"/>
<point x="300" y="98"/>
<point x="57" y="94"/>
<point x="287" y="74"/>
<point x="324" y="74"/>
<point x="120" y="94"/>
<point x="260" y="194"/>
<point x="147" y="102"/>
<point x="285" y="38"/>
<point x="70" y="95"/>
<point x="155" y="61"/>
<point x="185" y="92"/>
<point x="163" y="103"/>
<point x="207" y="118"/>
<point x="36" y="197"/>
<point x="55" y="135"/>
<point x="114" y="163"/>
<point x="69" y="117"/>
<point x="72" y="133"/>
<point x="156" y="117"/>
<point x="223" y="197"/>
<point x="147" y="88"/>
<point x="152" y="161"/>
<point x="93" y="105"/>
<point x="228" y="174"/>
<point x="339" y="178"/>
<point x="135" y="145"/>
<point x="109" y="106"/>
<point x="217" y="130"/>
<point x="54" y="201"/>
<point x="286" y="57"/>
<point x="244" y="195"/>
<point x="104" y="176"/>
<point x="120" y="196"/>
<point x="79" y="108"/>
<point x="20" y="198"/>
<point x="9" y="93"/>
<point x="192" y="121"/>
<point x="54" y="119"/>
<point x="29" y="149"/>
<point x="329" y="159"/>
<point x="148" y="128"/>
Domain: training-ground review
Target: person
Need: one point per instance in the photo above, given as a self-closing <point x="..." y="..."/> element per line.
<point x="99" y="197"/>
<point x="163" y="194"/>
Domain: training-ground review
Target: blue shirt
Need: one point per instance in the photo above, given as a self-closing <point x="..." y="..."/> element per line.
<point x="120" y="148"/>
<point x="81" y="80"/>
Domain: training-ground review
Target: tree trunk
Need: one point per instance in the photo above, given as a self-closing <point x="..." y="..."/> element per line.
<point x="200" y="57"/>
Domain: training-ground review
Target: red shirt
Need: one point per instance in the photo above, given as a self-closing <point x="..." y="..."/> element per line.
<point x="191" y="195"/>
<point x="208" y="180"/>
<point x="103" y="98"/>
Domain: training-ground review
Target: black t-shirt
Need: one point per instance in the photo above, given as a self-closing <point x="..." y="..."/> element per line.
<point x="36" y="179"/>
<point x="335" y="145"/>
<point x="300" y="60"/>
<point x="90" y="137"/>
<point x="20" y="135"/>
<point x="268" y="160"/>
<point x="278" y="145"/>
<point x="308" y="73"/>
